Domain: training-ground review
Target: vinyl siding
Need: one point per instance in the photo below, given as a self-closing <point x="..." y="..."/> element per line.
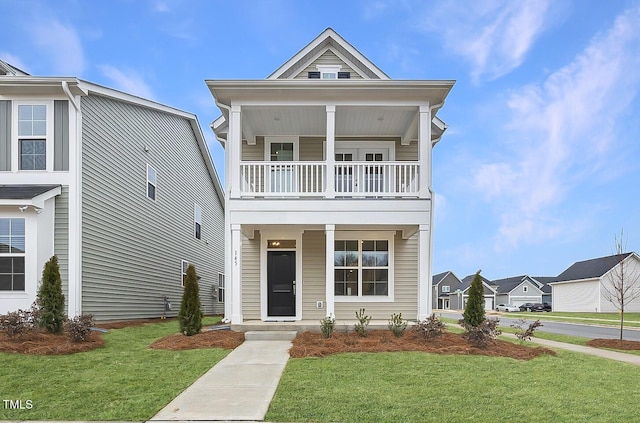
<point x="327" y="58"/>
<point x="407" y="153"/>
<point x="251" y="278"/>
<point x="576" y="296"/>
<point x="61" y="239"/>
<point x="632" y="275"/>
<point x="253" y="153"/>
<point x="449" y="280"/>
<point x="61" y="135"/>
<point x="311" y="149"/>
<point x="132" y="246"/>
<point x="313" y="275"/>
<point x="5" y="135"/>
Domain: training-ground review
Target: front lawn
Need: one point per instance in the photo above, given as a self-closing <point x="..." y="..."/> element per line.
<point x="609" y="319"/>
<point x="420" y="387"/>
<point x="125" y="380"/>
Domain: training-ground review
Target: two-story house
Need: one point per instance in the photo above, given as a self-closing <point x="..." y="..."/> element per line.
<point x="328" y="188"/>
<point x="120" y="188"/>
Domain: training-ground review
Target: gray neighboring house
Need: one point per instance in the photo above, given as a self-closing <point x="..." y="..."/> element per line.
<point x="458" y="299"/>
<point x="543" y="284"/>
<point x="444" y="284"/>
<point x="121" y="189"/>
<point x="580" y="286"/>
<point x="517" y="290"/>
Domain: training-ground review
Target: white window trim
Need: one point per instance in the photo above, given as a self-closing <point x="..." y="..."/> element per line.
<point x="271" y="140"/>
<point x="447" y="290"/>
<point x="197" y="220"/>
<point x="15" y="138"/>
<point x="23" y="255"/>
<point x="388" y="236"/>
<point x="155" y="184"/>
<point x="525" y="288"/>
<point x="221" y="286"/>
<point x="183" y="271"/>
<point x="329" y="69"/>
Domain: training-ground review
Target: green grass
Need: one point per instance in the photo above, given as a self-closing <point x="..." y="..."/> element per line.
<point x="411" y="387"/>
<point x="125" y="380"/>
<point x="608" y="319"/>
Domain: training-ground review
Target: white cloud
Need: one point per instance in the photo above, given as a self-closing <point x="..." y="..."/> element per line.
<point x="562" y="133"/>
<point x="128" y="81"/>
<point x="493" y="35"/>
<point x="61" y="44"/>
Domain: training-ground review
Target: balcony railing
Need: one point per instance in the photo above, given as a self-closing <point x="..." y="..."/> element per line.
<point x="309" y="179"/>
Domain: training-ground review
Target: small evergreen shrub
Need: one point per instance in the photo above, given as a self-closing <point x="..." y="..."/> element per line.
<point x="430" y="327"/>
<point x="474" y="313"/>
<point x="396" y="325"/>
<point x="363" y="321"/>
<point x="525" y="334"/>
<point x="50" y="298"/>
<point x="190" y="315"/>
<point x="483" y="334"/>
<point x="328" y="326"/>
<point x="79" y="328"/>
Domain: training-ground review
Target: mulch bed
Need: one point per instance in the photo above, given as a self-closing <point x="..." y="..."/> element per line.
<point x="209" y="339"/>
<point x="315" y="345"/>
<point x="41" y="343"/>
<point x="615" y="344"/>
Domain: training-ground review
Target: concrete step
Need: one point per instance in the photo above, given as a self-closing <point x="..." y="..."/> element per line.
<point x="270" y="335"/>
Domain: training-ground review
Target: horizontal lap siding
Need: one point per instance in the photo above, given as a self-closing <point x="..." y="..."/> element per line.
<point x="61" y="239"/>
<point x="576" y="296"/>
<point x="407" y="153"/>
<point x="327" y="58"/>
<point x="631" y="271"/>
<point x="132" y="246"/>
<point x="406" y="287"/>
<point x="251" y="278"/>
<point x="313" y="275"/>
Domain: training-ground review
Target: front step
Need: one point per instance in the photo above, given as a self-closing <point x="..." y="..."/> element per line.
<point x="270" y="335"/>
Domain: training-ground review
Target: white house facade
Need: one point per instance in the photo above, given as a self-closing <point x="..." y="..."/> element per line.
<point x="328" y="188"/>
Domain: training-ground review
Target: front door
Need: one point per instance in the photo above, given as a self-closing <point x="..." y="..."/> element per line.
<point x="281" y="283"/>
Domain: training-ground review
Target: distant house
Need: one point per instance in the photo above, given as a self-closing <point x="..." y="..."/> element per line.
<point x="543" y="284"/>
<point x="517" y="290"/>
<point x="458" y="299"/>
<point x="121" y="189"/>
<point x="444" y="284"/>
<point x="579" y="287"/>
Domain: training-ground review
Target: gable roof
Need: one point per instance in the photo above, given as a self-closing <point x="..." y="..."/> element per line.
<point x="588" y="269"/>
<point x="328" y="40"/>
<point x="10" y="70"/>
<point x="436" y="279"/>
<point x="466" y="283"/>
<point x="507" y="285"/>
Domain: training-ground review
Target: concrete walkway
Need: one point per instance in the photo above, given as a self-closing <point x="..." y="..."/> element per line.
<point x="612" y="355"/>
<point x="240" y="387"/>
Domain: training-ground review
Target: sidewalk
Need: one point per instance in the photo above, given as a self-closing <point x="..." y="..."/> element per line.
<point x="239" y="387"/>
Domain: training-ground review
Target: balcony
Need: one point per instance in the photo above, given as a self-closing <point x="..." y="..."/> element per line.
<point x="349" y="180"/>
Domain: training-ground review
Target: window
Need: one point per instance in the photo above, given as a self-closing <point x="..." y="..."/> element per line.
<point x="328" y="71"/>
<point x="446" y="288"/>
<point x="151" y="182"/>
<point x="362" y="268"/>
<point x="12" y="254"/>
<point x="197" y="217"/>
<point x="184" y="266"/>
<point x="525" y="288"/>
<point x="220" y="287"/>
<point x="32" y="136"/>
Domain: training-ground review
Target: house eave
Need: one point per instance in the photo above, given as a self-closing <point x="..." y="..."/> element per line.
<point x="41" y="86"/>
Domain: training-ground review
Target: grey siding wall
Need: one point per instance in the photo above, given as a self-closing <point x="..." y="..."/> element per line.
<point x="452" y="282"/>
<point x="61" y="135"/>
<point x="311" y="149"/>
<point x="133" y="246"/>
<point x="251" y="278"/>
<point x="5" y="135"/>
<point x="253" y="153"/>
<point x="61" y="239"/>
<point x="407" y="153"/>
<point x="327" y="58"/>
<point x="313" y="274"/>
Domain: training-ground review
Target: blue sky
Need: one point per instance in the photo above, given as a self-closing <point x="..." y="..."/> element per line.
<point x="540" y="166"/>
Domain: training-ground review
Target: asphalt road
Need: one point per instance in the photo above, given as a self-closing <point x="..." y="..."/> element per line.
<point x="575" y="329"/>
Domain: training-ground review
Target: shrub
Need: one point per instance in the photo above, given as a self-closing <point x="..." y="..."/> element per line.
<point x="17" y="323"/>
<point x="397" y="325"/>
<point x="430" y="327"/>
<point x="328" y="326"/>
<point x="474" y="309"/>
<point x="363" y="321"/>
<point x="525" y="334"/>
<point x="50" y="298"/>
<point x="79" y="327"/>
<point x="190" y="315"/>
<point x="483" y="334"/>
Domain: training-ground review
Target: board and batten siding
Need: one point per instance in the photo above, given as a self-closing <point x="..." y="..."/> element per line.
<point x="61" y="239"/>
<point x="251" y="277"/>
<point x="61" y="135"/>
<point x="132" y="246"/>
<point x="5" y="135"/>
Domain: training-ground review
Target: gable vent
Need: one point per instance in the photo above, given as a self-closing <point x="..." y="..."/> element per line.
<point x="344" y="75"/>
<point x="314" y="75"/>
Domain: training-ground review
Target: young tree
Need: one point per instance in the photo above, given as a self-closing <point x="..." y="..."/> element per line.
<point x="621" y="285"/>
<point x="474" y="310"/>
<point x="190" y="315"/>
<point x="50" y="298"/>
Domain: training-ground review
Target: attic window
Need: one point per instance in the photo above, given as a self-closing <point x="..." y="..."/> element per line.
<point x="329" y="71"/>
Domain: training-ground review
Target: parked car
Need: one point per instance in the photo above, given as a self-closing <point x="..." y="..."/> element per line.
<point x="541" y="307"/>
<point x="507" y="307"/>
<point x="547" y="306"/>
<point x="526" y="307"/>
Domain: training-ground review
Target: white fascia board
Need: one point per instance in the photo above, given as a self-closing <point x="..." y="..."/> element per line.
<point x="574" y="281"/>
<point x="41" y="86"/>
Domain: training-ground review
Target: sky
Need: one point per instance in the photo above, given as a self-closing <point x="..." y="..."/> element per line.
<point x="540" y="165"/>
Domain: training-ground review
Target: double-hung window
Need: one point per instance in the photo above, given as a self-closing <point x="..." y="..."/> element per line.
<point x="152" y="183"/>
<point x="363" y="267"/>
<point x="12" y="254"/>
<point x="32" y="136"/>
<point x="446" y="288"/>
<point x="220" y="287"/>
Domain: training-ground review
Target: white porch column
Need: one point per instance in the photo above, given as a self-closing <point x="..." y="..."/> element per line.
<point x="329" y="273"/>
<point x="234" y="145"/>
<point x="424" y="272"/>
<point x="236" y="275"/>
<point x="424" y="150"/>
<point x="331" y="152"/>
